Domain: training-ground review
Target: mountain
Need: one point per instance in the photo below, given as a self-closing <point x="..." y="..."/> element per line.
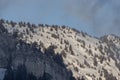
<point x="52" y="52"/>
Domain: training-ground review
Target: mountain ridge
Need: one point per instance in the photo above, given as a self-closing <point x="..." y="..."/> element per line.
<point x="85" y="56"/>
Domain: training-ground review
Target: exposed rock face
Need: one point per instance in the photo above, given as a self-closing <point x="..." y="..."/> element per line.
<point x="46" y="52"/>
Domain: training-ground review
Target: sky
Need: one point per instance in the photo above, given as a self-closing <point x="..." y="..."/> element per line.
<point x="96" y="17"/>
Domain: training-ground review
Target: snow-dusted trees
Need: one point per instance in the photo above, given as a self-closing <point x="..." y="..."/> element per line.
<point x="2" y="29"/>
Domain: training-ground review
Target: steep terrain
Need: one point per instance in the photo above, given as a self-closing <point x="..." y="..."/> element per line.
<point x="57" y="53"/>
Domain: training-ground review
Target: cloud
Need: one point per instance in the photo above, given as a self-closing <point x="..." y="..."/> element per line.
<point x="84" y="8"/>
<point x="102" y="15"/>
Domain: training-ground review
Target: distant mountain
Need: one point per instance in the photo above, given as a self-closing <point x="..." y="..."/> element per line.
<point x="51" y="52"/>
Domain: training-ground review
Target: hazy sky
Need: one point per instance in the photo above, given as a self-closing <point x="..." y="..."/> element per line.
<point x="96" y="17"/>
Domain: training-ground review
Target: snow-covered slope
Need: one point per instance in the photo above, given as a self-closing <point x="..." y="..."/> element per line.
<point x="85" y="56"/>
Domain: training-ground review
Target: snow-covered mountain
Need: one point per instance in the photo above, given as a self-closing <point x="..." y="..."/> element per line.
<point x="51" y="52"/>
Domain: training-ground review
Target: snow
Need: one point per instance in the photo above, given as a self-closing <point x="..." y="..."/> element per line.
<point x="79" y="52"/>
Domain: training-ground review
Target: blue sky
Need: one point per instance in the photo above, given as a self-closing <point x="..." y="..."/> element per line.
<point x="96" y="17"/>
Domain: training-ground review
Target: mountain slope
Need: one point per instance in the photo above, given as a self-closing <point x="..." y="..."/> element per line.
<point x="86" y="57"/>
